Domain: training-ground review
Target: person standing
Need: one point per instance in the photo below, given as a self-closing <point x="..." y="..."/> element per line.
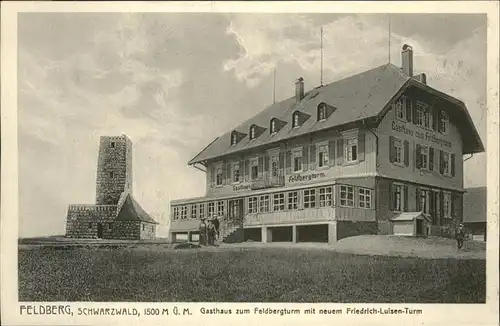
<point x="460" y="236"/>
<point x="211" y="233"/>
<point x="216" y="226"/>
<point x="203" y="233"/>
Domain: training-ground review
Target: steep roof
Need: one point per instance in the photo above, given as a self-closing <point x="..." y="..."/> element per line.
<point x="362" y="96"/>
<point x="475" y="205"/>
<point x="132" y="211"/>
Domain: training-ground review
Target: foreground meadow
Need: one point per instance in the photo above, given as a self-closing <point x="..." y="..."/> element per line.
<point x="155" y="273"/>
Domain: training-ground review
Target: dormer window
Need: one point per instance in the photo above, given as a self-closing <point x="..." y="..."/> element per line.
<point x="234" y="138"/>
<point x="112" y="144"/>
<point x="274" y="128"/>
<point x="322" y="112"/>
<point x="252" y="132"/>
<point x="295" y="121"/>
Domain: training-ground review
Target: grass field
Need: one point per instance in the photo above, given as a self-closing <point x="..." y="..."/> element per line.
<point x="158" y="273"/>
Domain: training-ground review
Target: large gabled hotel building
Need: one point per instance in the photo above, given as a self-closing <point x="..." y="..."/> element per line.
<point x="380" y="152"/>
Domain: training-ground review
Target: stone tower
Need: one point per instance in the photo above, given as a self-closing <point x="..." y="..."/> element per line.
<point x="114" y="169"/>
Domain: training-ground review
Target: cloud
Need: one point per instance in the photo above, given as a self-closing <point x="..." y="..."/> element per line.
<point x="67" y="103"/>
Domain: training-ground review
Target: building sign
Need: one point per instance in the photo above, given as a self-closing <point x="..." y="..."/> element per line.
<point x="245" y="186"/>
<point x="307" y="177"/>
<point x="425" y="135"/>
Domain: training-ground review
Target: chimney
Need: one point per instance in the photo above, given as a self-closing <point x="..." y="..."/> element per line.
<point x="407" y="60"/>
<point x="299" y="89"/>
<point x="421" y="78"/>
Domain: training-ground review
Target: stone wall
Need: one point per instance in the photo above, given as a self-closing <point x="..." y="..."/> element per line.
<point x="87" y="221"/>
<point x="114" y="169"/>
<point x="126" y="230"/>
<point x="148" y="231"/>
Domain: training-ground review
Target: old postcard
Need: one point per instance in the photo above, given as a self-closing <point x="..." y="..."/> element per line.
<point x="238" y="163"/>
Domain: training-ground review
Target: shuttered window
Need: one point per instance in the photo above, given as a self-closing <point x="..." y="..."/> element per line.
<point x="447" y="205"/>
<point x="297" y="160"/>
<point x="351" y="150"/>
<point x="400" y="108"/>
<point x="323" y="155"/>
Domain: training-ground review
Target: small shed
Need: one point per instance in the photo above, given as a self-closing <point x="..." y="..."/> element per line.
<point x="410" y="224"/>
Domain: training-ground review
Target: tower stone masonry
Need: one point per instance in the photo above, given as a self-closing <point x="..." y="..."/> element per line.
<point x="116" y="214"/>
<point x="114" y="169"/>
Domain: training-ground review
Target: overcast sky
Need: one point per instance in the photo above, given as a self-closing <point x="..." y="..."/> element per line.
<point x="173" y="82"/>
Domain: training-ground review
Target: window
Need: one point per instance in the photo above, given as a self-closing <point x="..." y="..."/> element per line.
<point x="399" y="151"/>
<point x="202" y="210"/>
<point x="322" y="155"/>
<point x="424" y="201"/>
<point x="447" y="204"/>
<point x="90" y="225"/>
<point x="252" y="132"/>
<point x="365" y="198"/>
<point x="293" y="200"/>
<point x="445" y="163"/>
<point x="297" y="161"/>
<point x="236" y="173"/>
<point x="219" y="177"/>
<point x="325" y="197"/>
<point x="143" y="227"/>
<point x="423" y="115"/>
<point x="321" y="112"/>
<point x="264" y="204"/>
<point x="110" y="226"/>
<point x="347" y="196"/>
<point x="351" y="150"/>
<point x="295" y="122"/>
<point x="193" y="211"/>
<point x="274" y="165"/>
<point x="279" y="202"/>
<point x="111" y="174"/>
<point x="112" y="144"/>
<point x="211" y="209"/>
<point x="398" y="198"/>
<point x="273" y="126"/>
<point x="400" y="108"/>
<point x="252" y="205"/>
<point x="424" y="157"/>
<point x="234" y="138"/>
<point x="220" y="208"/>
<point x="176" y="213"/>
<point x="184" y="212"/>
<point x="254" y="168"/>
<point x="443" y="122"/>
<point x="310" y="198"/>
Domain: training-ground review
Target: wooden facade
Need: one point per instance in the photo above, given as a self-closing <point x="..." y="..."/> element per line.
<point x="351" y="177"/>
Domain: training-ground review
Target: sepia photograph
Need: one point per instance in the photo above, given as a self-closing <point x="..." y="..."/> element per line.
<point x="252" y="157"/>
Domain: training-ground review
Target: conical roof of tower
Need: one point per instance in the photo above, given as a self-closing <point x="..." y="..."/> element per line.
<point x="131" y="210"/>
